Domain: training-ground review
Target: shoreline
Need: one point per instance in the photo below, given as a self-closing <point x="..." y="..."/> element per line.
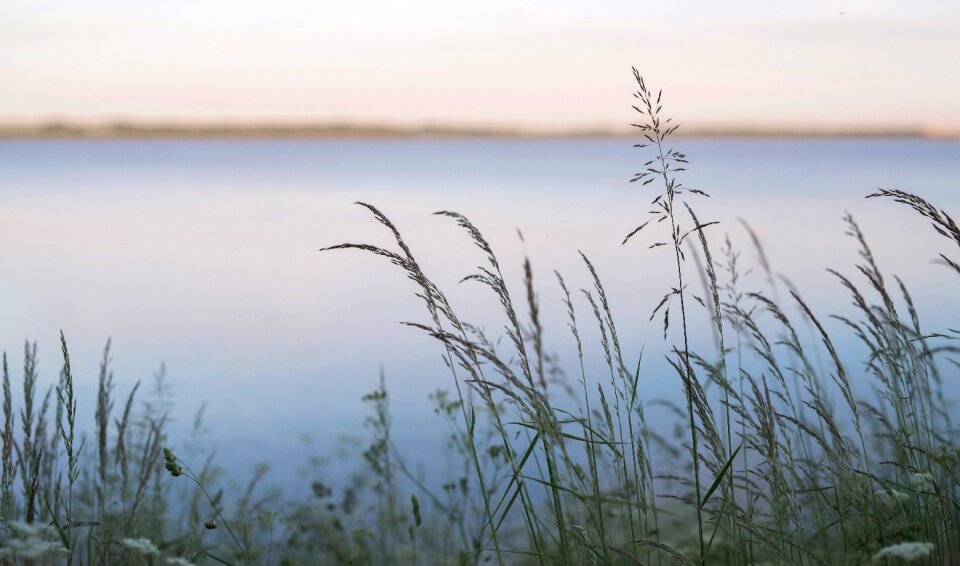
<point x="144" y="131"/>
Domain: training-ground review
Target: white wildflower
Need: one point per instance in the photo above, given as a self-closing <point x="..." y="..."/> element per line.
<point x="30" y="530"/>
<point x="25" y="530"/>
<point x="31" y="542"/>
<point x="908" y="551"/>
<point x="922" y="481"/>
<point x="179" y="562"/>
<point x="31" y="549"/>
<point x="891" y="498"/>
<point x="142" y="545"/>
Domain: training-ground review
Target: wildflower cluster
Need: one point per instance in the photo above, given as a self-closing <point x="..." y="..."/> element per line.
<point x="142" y="546"/>
<point x="923" y="482"/>
<point x="147" y="548"/>
<point x="908" y="551"/>
<point x="891" y="498"/>
<point x="31" y="542"/>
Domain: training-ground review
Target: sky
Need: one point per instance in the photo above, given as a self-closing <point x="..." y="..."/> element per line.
<point x="557" y="64"/>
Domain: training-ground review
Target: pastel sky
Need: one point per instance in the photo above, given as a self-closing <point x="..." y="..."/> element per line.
<point x="550" y="64"/>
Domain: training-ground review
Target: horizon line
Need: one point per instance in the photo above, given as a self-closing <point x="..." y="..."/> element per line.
<point x="272" y="129"/>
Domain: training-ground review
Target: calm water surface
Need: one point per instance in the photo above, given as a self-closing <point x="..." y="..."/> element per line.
<point x="203" y="255"/>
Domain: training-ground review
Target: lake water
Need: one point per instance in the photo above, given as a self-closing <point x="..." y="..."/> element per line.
<point x="203" y="254"/>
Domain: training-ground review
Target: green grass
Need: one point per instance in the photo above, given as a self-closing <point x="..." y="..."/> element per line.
<point x="779" y="453"/>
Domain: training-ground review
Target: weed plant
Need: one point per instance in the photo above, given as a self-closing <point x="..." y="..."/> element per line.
<point x="791" y="458"/>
